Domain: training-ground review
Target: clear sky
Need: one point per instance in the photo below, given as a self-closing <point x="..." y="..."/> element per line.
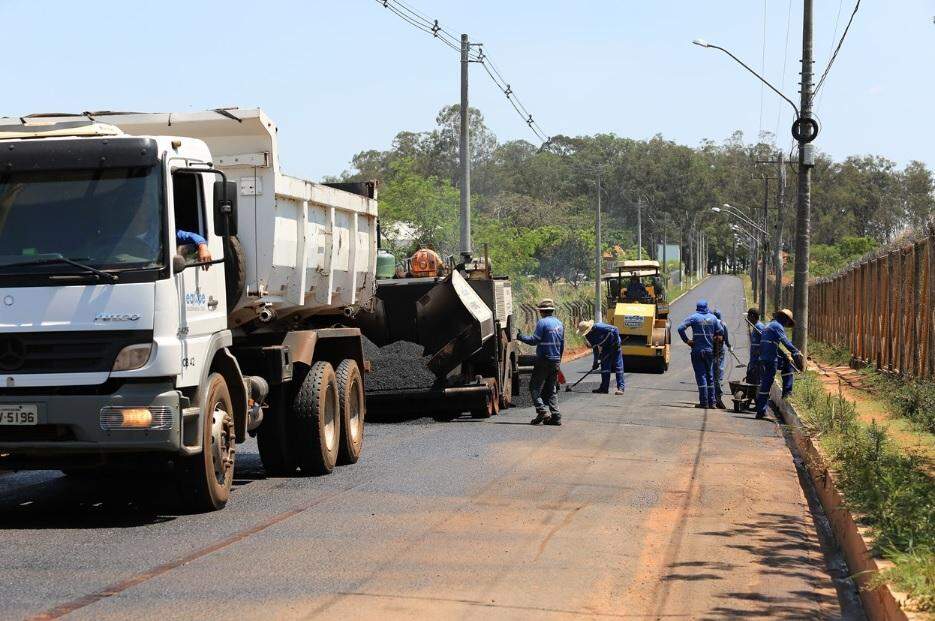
<point x="340" y="76"/>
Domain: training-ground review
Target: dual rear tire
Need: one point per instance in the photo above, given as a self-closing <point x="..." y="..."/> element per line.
<point x="318" y="426"/>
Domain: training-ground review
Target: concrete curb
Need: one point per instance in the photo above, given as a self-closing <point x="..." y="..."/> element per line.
<point x="880" y="603"/>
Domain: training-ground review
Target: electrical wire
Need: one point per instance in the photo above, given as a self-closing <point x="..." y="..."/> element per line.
<point x="834" y="36"/>
<point x="419" y="20"/>
<point x="785" y="59"/>
<point x="763" y="69"/>
<point x="838" y="48"/>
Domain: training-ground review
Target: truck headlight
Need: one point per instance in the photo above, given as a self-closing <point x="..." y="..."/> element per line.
<point x="153" y="417"/>
<point x="133" y="357"/>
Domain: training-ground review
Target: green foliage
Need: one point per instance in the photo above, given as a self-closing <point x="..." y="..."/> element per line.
<point x="830" y="354"/>
<point x="914" y="573"/>
<point x="912" y="399"/>
<point x="427" y="205"/>
<point x="826" y="259"/>
<point x="889" y="489"/>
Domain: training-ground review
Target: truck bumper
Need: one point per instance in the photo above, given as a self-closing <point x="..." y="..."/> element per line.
<point x="71" y="424"/>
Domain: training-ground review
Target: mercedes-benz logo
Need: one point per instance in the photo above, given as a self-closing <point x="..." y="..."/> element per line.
<point x="8" y="300"/>
<point x="12" y="353"/>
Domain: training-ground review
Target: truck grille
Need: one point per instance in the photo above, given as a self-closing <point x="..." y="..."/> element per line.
<point x="65" y="352"/>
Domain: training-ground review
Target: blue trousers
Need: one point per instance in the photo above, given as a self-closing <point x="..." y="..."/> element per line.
<point x="611" y="361"/>
<point x="767" y="375"/>
<point x="719" y="372"/>
<point x="703" y="364"/>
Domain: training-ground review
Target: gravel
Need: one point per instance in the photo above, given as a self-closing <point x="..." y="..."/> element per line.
<point x="396" y="367"/>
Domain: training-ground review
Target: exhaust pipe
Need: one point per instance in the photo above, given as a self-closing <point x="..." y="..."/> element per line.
<point x="266" y="314"/>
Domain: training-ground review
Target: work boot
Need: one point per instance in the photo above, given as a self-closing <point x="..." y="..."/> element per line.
<point x="555" y="419"/>
<point x="720" y="405"/>
<point x="619" y="391"/>
<point x="701" y="406"/>
<point x="760" y="415"/>
<point x="541" y="417"/>
<point x="598" y="391"/>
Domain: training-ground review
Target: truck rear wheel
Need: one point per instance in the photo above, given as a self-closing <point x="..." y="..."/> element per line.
<point x="205" y="480"/>
<point x="272" y="437"/>
<point x="353" y="411"/>
<point x="317" y="413"/>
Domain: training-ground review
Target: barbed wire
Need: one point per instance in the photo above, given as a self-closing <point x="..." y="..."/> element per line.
<point x="419" y="20"/>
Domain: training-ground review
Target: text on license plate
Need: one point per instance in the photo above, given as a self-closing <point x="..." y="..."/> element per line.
<point x="19" y="415"/>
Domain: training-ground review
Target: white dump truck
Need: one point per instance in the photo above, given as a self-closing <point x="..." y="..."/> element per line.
<point x="165" y="291"/>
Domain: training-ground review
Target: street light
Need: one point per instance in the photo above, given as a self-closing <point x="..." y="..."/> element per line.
<point x="733" y="211"/>
<point x="764" y="247"/>
<point x="705" y="44"/>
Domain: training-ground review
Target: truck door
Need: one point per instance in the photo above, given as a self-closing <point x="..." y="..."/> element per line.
<point x="202" y="303"/>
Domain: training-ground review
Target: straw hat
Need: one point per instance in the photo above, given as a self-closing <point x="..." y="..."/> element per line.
<point x="788" y="314"/>
<point x="584" y="327"/>
<point x="546" y="304"/>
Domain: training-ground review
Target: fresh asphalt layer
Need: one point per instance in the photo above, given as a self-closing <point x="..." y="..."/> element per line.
<point x="638" y="507"/>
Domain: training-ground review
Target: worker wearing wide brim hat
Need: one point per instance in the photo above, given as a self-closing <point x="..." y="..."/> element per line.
<point x="605" y="341"/>
<point x="772" y="358"/>
<point x="549" y="339"/>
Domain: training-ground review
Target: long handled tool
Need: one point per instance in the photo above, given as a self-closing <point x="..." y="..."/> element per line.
<point x="597" y="368"/>
<point x="791" y="358"/>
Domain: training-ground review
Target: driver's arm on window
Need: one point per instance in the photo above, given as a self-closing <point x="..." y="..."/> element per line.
<point x="188" y="237"/>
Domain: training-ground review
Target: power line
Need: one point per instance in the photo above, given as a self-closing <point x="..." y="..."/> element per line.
<point x="834" y="35"/>
<point x="419" y="20"/>
<point x="838" y="48"/>
<point x="785" y="59"/>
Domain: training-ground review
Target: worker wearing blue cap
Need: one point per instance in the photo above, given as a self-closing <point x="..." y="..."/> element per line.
<point x="706" y="329"/>
<point x="720" y="362"/>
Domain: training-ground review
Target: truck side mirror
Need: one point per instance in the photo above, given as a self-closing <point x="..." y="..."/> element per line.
<point x="225" y="208"/>
<point x="178" y="264"/>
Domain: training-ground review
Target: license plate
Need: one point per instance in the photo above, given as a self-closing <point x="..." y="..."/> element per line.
<point x="19" y="415"/>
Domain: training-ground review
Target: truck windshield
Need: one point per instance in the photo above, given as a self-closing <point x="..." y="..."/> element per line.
<point x="109" y="219"/>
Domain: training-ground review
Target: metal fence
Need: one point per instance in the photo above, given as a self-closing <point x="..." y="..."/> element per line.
<point x="569" y="312"/>
<point x="881" y="308"/>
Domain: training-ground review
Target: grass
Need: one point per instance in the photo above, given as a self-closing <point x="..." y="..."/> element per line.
<point x="889" y="489"/>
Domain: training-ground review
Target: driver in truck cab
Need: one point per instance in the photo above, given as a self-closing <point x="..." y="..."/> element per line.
<point x="185" y="238"/>
<point x="635" y="289"/>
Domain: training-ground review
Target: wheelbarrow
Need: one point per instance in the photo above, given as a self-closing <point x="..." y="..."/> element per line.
<point x="743" y="394"/>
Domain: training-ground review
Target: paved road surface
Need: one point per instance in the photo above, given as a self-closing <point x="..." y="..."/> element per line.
<point x="639" y="507"/>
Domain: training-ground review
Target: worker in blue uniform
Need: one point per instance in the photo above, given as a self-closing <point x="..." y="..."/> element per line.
<point x="549" y="339"/>
<point x="720" y="361"/>
<point x="605" y="340"/>
<point x="706" y="329"/>
<point x="636" y="290"/>
<point x="774" y="335"/>
<point x="756" y="328"/>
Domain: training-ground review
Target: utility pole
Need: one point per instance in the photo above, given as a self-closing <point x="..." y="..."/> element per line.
<point x="465" y="153"/>
<point x="639" y="227"/>
<point x="777" y="237"/>
<point x="597" y="253"/>
<point x="765" y="247"/>
<point x="804" y="208"/>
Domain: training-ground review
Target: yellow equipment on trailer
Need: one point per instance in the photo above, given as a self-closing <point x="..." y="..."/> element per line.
<point x="643" y="320"/>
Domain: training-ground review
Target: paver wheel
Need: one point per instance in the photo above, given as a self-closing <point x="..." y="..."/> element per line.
<point x="353" y="411"/>
<point x="205" y="480"/>
<point x="317" y="415"/>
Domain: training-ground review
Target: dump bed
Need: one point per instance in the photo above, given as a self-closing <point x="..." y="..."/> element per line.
<point x="310" y="248"/>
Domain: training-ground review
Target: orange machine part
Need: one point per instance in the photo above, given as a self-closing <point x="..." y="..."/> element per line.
<point x="425" y="262"/>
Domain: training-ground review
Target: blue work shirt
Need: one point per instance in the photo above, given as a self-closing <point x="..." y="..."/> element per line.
<point x="603" y="335"/>
<point x="548" y="337"/>
<point x="705" y="326"/>
<point x="188" y="237"/>
<point x="724" y="330"/>
<point x="756" y="336"/>
<point x="773" y="335"/>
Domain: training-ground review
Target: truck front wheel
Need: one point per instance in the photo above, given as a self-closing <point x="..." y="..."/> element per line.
<point x="205" y="480"/>
<point x="317" y="413"/>
<point x="353" y="411"/>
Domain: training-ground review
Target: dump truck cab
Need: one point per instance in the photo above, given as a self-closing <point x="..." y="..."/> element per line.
<point x="637" y="306"/>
